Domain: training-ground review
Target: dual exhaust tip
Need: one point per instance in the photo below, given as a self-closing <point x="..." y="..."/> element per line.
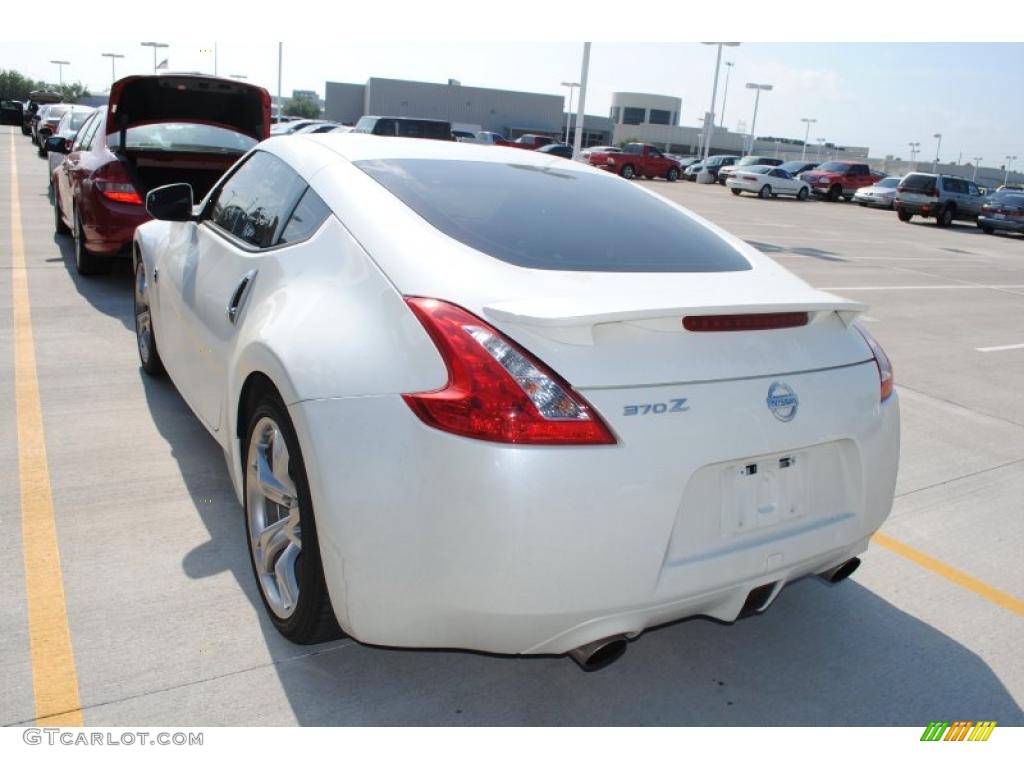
<point x="601" y="653"/>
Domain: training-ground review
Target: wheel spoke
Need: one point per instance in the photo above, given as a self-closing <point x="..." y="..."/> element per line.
<point x="286" y="575"/>
<point x="282" y="493"/>
<point x="270" y="542"/>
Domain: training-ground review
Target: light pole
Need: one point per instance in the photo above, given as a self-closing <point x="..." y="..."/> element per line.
<point x="60" y="69"/>
<point x="1009" y="162"/>
<point x="757" y="87"/>
<point x="821" y="146"/>
<point x="568" y="112"/>
<point x="154" y="46"/>
<point x="709" y="118"/>
<point x="113" y="59"/>
<point x="938" y="148"/>
<point x="913" y="150"/>
<point x="581" y="104"/>
<point x="280" y="57"/>
<point x="977" y="162"/>
<point x="807" y="134"/>
<point x="725" y="92"/>
<point x="238" y="77"/>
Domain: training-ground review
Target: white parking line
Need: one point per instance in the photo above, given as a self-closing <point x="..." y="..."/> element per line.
<point x="917" y="287"/>
<point x="1000" y="349"/>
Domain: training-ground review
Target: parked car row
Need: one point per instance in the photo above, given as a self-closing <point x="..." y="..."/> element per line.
<point x="380" y="333"/>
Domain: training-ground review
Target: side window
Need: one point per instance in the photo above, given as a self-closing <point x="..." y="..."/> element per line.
<point x="254" y="203"/>
<point x="384" y="128"/>
<point x="306" y="219"/>
<point x="972" y="188"/>
<point x="85" y="134"/>
<point x="859" y="170"/>
<point x="652" y="152"/>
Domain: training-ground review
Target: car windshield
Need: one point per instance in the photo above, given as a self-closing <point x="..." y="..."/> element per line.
<point x="794" y="166"/>
<point x="892" y="181"/>
<point x="834" y="167"/>
<point x="560" y="219"/>
<point x="1007" y="197"/>
<point x="183" y="137"/>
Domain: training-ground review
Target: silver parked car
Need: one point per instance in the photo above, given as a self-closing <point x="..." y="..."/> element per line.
<point x="879" y="195"/>
<point x="939" y="196"/>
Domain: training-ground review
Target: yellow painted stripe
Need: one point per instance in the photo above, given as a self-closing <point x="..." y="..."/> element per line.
<point x="53" y="661"/>
<point x="959" y="578"/>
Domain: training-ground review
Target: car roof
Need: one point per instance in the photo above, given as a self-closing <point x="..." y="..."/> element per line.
<point x="356" y="147"/>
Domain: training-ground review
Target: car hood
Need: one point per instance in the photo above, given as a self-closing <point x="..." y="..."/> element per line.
<point x="143" y="99"/>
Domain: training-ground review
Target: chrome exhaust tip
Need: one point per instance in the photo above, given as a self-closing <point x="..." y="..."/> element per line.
<point x="840" y="572"/>
<point x="600" y="653"/>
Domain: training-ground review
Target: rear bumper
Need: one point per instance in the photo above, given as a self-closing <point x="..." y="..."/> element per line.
<point x="431" y="540"/>
<point x="109" y="227"/>
<point x="1001" y="224"/>
<point x="918" y="209"/>
<point x="876" y="201"/>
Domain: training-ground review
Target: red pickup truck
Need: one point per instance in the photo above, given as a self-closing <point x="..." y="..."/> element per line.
<point x="840" y="179"/>
<point x="637" y="160"/>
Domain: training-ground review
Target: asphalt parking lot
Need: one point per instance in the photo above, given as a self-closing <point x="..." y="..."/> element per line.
<point x="165" y="626"/>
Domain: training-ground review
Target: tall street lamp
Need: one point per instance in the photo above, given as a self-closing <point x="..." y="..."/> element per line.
<point x="821" y="146"/>
<point x="977" y="162"/>
<point x="913" y="150"/>
<point x="568" y="112"/>
<point x="709" y="118"/>
<point x="113" y="59"/>
<point x="1009" y="162"/>
<point x="60" y="69"/>
<point x="807" y="134"/>
<point x="725" y="92"/>
<point x="938" y="148"/>
<point x="757" y="87"/>
<point x="154" y="46"/>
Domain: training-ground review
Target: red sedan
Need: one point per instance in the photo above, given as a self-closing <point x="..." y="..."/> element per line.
<point x="156" y="130"/>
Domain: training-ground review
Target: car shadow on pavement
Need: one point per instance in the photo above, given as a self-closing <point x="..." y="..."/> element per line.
<point x="814" y="253"/>
<point x="822" y="655"/>
<point x="111" y="293"/>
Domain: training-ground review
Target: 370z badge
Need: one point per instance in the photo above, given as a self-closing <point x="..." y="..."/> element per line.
<point x="782" y="401"/>
<point x="675" y="405"/>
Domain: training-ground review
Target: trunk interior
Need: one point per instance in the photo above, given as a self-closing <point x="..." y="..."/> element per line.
<point x="199" y="171"/>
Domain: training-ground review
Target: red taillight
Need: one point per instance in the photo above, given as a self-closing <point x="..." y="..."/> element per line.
<point x="749" y="178"/>
<point x="113" y="182"/>
<point x="885" y="374"/>
<point x="766" y="321"/>
<point x="496" y="390"/>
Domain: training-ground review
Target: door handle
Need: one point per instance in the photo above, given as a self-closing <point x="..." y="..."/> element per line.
<point x="237" y="297"/>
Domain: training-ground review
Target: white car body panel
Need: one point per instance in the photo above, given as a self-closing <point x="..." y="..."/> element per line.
<point x="431" y="539"/>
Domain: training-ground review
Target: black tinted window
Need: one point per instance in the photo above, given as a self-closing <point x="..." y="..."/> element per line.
<point x="554" y="219"/>
<point x="660" y="117"/>
<point x="632" y="115"/>
<point x="918" y="182"/>
<point x="424" y="129"/>
<point x="954" y="185"/>
<point x="859" y="170"/>
<point x="255" y="201"/>
<point x="835" y="167"/>
<point x="306" y="219"/>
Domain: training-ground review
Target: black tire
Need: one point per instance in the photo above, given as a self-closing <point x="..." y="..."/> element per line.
<point x="627" y="172"/>
<point x="736" y="191"/>
<point x="863" y="205"/>
<point x="87" y="263"/>
<point x="834" y="193"/>
<point x="672" y="175"/>
<point x="847" y="198"/>
<point x="312" y="620"/>
<point x="802" y="194"/>
<point x="986" y="230"/>
<point x="945" y="217"/>
<point x="42" y="149"/>
<point x="765" y="192"/>
<point x="145" y="337"/>
<point x="58" y="219"/>
<point x="721" y="181"/>
<point x="25" y="131"/>
<point x="903" y="215"/>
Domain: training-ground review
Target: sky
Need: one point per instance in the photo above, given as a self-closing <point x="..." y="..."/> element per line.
<point x="880" y="95"/>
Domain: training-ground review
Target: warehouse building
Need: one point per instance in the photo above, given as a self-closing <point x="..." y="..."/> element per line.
<point x="510" y="113"/>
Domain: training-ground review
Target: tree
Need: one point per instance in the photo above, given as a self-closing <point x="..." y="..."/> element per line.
<point x="14" y="85"/>
<point x="302" y="107"/>
<point x="72" y="92"/>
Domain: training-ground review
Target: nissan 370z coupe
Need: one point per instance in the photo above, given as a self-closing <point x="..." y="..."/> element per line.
<point x="473" y="397"/>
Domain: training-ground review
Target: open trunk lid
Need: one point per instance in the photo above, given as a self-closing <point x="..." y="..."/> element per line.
<point x="144" y="99"/>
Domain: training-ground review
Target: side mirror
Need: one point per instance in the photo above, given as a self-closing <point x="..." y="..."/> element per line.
<point x="57" y="144"/>
<point x="171" y="202"/>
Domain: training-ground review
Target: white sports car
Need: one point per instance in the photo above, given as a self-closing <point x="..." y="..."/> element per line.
<point x="476" y="397"/>
<point x="766" y="181"/>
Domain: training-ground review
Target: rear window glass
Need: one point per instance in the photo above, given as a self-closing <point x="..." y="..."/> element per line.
<point x="1008" y="198"/>
<point x="560" y="219"/>
<point x="183" y="137"/>
<point x="918" y="182"/>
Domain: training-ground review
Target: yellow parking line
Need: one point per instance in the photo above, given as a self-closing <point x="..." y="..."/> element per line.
<point x="959" y="578"/>
<point x="53" y="661"/>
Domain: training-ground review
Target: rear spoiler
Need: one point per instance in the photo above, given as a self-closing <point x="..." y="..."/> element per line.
<point x="571" y="321"/>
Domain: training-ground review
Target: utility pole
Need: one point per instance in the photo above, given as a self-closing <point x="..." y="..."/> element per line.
<point x="568" y="112"/>
<point x="113" y="58"/>
<point x="154" y="46"/>
<point x="709" y="118"/>
<point x="807" y="133"/>
<point x="1009" y="163"/>
<point x="938" y="150"/>
<point x="977" y="162"/>
<point x="725" y="93"/>
<point x="577" y="141"/>
<point x="757" y="87"/>
<point x="60" y="69"/>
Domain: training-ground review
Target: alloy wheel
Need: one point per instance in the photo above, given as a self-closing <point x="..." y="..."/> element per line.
<point x="272" y="507"/>
<point x="143" y="320"/>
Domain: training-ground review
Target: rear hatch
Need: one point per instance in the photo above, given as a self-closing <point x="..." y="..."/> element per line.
<point x="917" y="188"/>
<point x="184" y="128"/>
